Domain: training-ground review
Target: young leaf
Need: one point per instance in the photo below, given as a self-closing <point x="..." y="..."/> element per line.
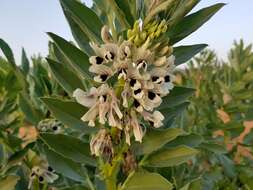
<point x="155" y="139"/>
<point x="7" y="52"/>
<point x="65" y="77"/>
<point x="78" y="60"/>
<point x="177" y="96"/>
<point x="69" y="113"/>
<point x="168" y="157"/>
<point x="69" y="147"/>
<point x="24" y="62"/>
<point x="87" y="20"/>
<point x="185" y="53"/>
<point x="192" y="22"/>
<point x="146" y="181"/>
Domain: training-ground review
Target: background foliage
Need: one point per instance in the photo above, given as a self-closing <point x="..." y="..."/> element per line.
<point x="205" y="142"/>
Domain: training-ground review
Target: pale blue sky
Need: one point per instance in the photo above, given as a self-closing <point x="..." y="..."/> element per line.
<point x="24" y="23"/>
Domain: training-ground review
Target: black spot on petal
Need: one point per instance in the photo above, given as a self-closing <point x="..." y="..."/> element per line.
<point x="99" y="60"/>
<point x="167" y="78"/>
<point x="55" y="128"/>
<point x="154" y="78"/>
<point x="50" y="169"/>
<point x="112" y="55"/>
<point x="137" y="91"/>
<point x="151" y="95"/>
<point x="151" y="123"/>
<point x="122" y="71"/>
<point x="136" y="104"/>
<point x="103" y="77"/>
<point x="132" y="82"/>
<point x="109" y="56"/>
<point x="41" y="178"/>
<point x="105" y="97"/>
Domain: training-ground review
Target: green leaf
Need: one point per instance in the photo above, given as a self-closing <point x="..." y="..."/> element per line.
<point x="69" y="147"/>
<point x="192" y="22"/>
<point x="10" y="57"/>
<point x="118" y="7"/>
<point x="191" y="140"/>
<point x="228" y="166"/>
<point x="146" y="181"/>
<point x="69" y="113"/>
<point x="7" y="52"/>
<point x="32" y="115"/>
<point x="24" y="62"/>
<point x="9" y="182"/>
<point x="80" y="37"/>
<point x="77" y="59"/>
<point x="168" y="157"/>
<point x="213" y="147"/>
<point x="125" y="8"/>
<point x="65" y="77"/>
<point x="185" y="53"/>
<point x="170" y="114"/>
<point x="87" y="20"/>
<point x="64" y="166"/>
<point x="155" y="139"/>
<point x="177" y="96"/>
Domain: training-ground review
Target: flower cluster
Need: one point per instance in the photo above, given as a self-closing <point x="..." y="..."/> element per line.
<point x="43" y="173"/>
<point x="141" y="73"/>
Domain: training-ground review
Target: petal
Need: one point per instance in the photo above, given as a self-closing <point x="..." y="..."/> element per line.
<point x="160" y="61"/>
<point x="106" y="35"/>
<point x="116" y="109"/>
<point x="103" y="110"/>
<point x="84" y="98"/>
<point x="97" y="50"/>
<point x="137" y="130"/>
<point x="127" y="137"/>
<point x="101" y="69"/>
<point x="91" y="115"/>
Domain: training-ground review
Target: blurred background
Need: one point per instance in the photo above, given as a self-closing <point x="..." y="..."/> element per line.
<point x="25" y="23"/>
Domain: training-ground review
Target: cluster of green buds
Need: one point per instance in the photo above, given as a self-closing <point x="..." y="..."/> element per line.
<point x="139" y="34"/>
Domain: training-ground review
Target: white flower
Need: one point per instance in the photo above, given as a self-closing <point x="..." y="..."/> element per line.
<point x="103" y="105"/>
<point x="44" y="173"/>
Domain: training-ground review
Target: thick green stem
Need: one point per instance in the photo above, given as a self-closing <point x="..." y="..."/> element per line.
<point x="111" y="184"/>
<point x="111" y="170"/>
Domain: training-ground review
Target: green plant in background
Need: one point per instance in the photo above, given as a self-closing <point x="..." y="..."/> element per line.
<point x="220" y="111"/>
<point x="21" y="110"/>
<point x="118" y="107"/>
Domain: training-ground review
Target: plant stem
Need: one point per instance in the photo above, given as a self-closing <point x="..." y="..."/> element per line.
<point x="89" y="182"/>
<point x="111" y="184"/>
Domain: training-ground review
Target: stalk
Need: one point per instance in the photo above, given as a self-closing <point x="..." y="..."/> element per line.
<point x="111" y="184"/>
<point x="111" y="172"/>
